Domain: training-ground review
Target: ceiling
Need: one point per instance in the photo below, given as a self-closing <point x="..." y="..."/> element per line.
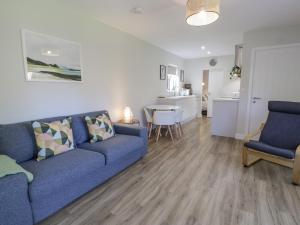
<point x="162" y="22"/>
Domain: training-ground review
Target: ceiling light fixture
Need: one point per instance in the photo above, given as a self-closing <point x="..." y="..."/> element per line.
<point x="202" y="12"/>
<point x="202" y="47"/>
<point x="208" y="52"/>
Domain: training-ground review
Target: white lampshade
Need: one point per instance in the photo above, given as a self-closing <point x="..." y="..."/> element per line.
<point x="202" y="12"/>
<point x="128" y="116"/>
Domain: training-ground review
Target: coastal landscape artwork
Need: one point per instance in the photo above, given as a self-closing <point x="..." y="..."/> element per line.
<point x="48" y="58"/>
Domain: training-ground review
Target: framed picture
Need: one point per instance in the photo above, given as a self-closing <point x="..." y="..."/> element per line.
<point x="163" y="72"/>
<point x="48" y="58"/>
<point x="181" y="75"/>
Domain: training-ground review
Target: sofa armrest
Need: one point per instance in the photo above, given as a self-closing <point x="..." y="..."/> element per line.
<point x="15" y="208"/>
<point x="134" y="131"/>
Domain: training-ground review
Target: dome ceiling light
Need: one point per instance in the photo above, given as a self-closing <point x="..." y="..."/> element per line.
<point x="202" y="12"/>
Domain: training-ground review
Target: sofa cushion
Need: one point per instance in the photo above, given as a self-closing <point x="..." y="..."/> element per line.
<point x="17" y="141"/>
<point x="256" y="145"/>
<point x="80" y="130"/>
<point x="100" y="128"/>
<point x="61" y="171"/>
<point x="115" y="147"/>
<point x="53" y="138"/>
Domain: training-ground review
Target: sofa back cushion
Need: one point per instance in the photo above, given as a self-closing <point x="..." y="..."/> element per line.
<point x="80" y="129"/>
<point x="282" y="127"/>
<point x="17" y="141"/>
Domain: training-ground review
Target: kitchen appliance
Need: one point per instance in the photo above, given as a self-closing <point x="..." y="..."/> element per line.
<point x="189" y="87"/>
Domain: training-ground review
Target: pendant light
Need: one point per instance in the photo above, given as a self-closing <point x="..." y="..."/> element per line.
<point x="202" y="12"/>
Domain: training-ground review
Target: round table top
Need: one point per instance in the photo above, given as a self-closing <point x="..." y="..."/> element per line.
<point x="163" y="107"/>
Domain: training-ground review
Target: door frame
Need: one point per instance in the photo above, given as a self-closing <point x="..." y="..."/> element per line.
<point x="210" y="72"/>
<point x="251" y="77"/>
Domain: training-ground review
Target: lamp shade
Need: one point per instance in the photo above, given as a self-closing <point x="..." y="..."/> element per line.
<point x="128" y="115"/>
<point x="202" y="12"/>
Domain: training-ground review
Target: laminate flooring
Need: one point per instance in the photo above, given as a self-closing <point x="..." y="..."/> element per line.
<point x="197" y="180"/>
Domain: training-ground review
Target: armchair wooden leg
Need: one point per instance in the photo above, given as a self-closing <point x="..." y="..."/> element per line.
<point x="249" y="159"/>
<point x="296" y="169"/>
<point x="245" y="156"/>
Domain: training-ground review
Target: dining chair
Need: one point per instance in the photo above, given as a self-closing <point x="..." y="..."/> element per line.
<point x="178" y="120"/>
<point x="149" y="118"/>
<point x="279" y="140"/>
<point x="164" y="118"/>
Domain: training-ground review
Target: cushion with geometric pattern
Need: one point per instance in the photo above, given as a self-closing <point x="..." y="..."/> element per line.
<point x="100" y="128"/>
<point x="53" y="138"/>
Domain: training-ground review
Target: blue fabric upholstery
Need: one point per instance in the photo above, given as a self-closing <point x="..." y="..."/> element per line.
<point x="115" y="147"/>
<point x="135" y="131"/>
<point x="282" y="127"/>
<point x="59" y="174"/>
<point x="61" y="179"/>
<point x="256" y="145"/>
<point x="284" y="107"/>
<point x="74" y="188"/>
<point x="79" y="126"/>
<point x="17" y="141"/>
<point x="15" y="208"/>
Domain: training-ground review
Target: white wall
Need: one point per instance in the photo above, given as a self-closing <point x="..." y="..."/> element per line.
<point x="253" y="39"/>
<point x="194" y="73"/>
<point x="118" y="69"/>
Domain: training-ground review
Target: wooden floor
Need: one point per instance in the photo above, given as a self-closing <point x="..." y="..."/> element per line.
<point x="197" y="180"/>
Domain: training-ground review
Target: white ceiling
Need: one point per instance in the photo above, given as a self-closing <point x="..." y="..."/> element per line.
<point x="162" y="22"/>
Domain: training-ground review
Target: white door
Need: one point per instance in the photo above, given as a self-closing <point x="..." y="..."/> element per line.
<point x="215" y="84"/>
<point x="276" y="76"/>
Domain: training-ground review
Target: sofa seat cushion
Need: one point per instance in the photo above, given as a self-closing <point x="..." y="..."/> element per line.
<point x="115" y="147"/>
<point x="59" y="172"/>
<point x="259" y="146"/>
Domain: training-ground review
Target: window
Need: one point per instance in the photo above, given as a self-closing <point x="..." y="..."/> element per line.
<point x="172" y="78"/>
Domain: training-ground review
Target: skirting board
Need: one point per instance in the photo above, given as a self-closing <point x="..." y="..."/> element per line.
<point x="239" y="136"/>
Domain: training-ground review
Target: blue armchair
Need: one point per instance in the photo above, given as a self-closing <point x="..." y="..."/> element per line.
<point x="279" y="140"/>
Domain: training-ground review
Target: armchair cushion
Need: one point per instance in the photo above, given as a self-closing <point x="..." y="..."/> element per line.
<point x="282" y="127"/>
<point x="262" y="147"/>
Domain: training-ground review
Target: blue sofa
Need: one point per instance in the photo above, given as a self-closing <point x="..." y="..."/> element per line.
<point x="61" y="179"/>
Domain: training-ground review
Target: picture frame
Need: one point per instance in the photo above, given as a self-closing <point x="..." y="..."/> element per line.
<point x="163" y="72"/>
<point x="50" y="59"/>
<point x="181" y="75"/>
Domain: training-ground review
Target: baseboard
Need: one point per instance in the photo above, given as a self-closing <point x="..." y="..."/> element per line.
<point x="239" y="136"/>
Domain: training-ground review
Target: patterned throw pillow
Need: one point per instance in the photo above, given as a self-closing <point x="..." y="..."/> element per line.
<point x="100" y="128"/>
<point x="53" y="138"/>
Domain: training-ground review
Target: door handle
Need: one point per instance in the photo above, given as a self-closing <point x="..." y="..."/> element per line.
<point x="256" y="98"/>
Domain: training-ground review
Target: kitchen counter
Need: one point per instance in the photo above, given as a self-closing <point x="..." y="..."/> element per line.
<point x="224" y="119"/>
<point x="178" y="97"/>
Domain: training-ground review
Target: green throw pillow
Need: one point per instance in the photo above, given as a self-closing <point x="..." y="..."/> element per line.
<point x="53" y="138"/>
<point x="100" y="128"/>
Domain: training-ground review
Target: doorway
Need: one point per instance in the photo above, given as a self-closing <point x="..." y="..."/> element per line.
<point x="212" y="84"/>
<point x="205" y="84"/>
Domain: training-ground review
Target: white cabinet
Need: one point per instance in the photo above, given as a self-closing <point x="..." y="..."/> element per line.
<point x="224" y="119"/>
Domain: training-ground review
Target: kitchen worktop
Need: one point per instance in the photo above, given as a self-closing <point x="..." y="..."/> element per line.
<point x="178" y="97"/>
